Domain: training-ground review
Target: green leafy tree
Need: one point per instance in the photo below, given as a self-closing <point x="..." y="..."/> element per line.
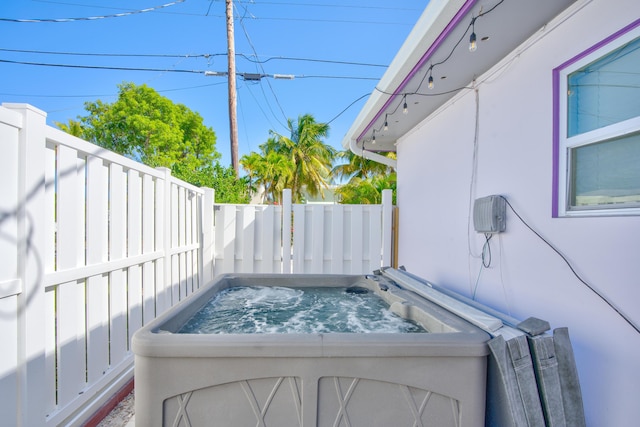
<point x="152" y="129"/>
<point x="300" y="161"/>
<point x="229" y="188"/>
<point x="145" y="126"/>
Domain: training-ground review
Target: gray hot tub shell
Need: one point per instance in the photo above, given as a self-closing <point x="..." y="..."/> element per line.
<point x="374" y="379"/>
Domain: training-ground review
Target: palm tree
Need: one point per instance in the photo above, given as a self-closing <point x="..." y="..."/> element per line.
<point x="270" y="170"/>
<point x="366" y="191"/>
<point x="310" y="156"/>
<point x="359" y="167"/>
<point x="72" y="127"/>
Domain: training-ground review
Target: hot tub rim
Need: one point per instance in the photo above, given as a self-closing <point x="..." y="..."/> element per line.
<point x="156" y="339"/>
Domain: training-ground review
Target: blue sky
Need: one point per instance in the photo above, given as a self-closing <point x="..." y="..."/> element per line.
<point x="322" y="43"/>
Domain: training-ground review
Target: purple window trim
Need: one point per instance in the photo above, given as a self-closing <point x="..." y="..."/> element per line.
<point x="427" y="55"/>
<point x="556" y="108"/>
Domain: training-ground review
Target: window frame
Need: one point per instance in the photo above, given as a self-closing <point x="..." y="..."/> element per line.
<point x="562" y="144"/>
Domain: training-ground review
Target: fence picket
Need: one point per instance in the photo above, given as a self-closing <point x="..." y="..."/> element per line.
<point x="163" y="240"/>
<point x="118" y="343"/>
<point x="70" y="297"/>
<point x="225" y="225"/>
<point x="337" y="239"/>
<point x="148" y="245"/>
<point x="356" y="237"/>
<point x="207" y="224"/>
<point x="188" y="234"/>
<point x="175" y="279"/>
<point x="134" y="247"/>
<point x="374" y="245"/>
<point x="97" y="299"/>
<point x="50" y="261"/>
<point x="287" y="229"/>
<point x="117" y="250"/>
<point x="265" y="244"/>
<point x="195" y="274"/>
<point x="387" y="227"/>
<point x="247" y="225"/>
<point x="317" y="238"/>
<point x="50" y="350"/>
<point x="70" y="341"/>
<point x="299" y="238"/>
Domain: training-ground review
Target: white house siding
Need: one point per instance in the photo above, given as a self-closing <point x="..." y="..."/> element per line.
<point x="526" y="278"/>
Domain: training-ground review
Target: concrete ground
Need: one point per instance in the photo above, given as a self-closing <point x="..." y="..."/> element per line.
<point x="122" y="415"/>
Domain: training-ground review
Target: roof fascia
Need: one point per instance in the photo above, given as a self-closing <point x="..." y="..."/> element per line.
<point x="434" y="26"/>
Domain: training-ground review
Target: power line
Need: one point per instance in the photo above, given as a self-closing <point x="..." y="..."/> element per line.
<point x="246" y="76"/>
<point x="249" y="58"/>
<point x="304" y="76"/>
<point x="331" y="21"/>
<point x="105" y="94"/>
<point x="246" y="34"/>
<point x="301" y="4"/>
<point x="347" y="107"/>
<point x="100" y="67"/>
<point x="326" y="61"/>
<point x="334" y="5"/>
<point x="257" y="104"/>
<point x="124" y="55"/>
<point x="93" y="6"/>
<point x="92" y="18"/>
<point x="573" y="270"/>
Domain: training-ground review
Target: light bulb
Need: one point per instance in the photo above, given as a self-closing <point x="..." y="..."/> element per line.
<point x="430" y="82"/>
<point x="405" y="109"/>
<point x="386" y="125"/>
<point x="472" y="42"/>
<point x="373" y="139"/>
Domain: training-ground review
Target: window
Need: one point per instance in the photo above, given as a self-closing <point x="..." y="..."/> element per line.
<point x="598" y="129"/>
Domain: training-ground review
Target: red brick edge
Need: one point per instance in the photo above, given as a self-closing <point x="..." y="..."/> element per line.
<point x="101" y="413"/>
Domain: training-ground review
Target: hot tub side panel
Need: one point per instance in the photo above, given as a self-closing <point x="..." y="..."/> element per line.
<point x="324" y="391"/>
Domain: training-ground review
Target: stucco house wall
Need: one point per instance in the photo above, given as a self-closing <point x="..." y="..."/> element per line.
<point x="497" y="139"/>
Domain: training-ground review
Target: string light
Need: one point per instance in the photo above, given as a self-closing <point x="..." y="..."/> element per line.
<point x="473" y="45"/>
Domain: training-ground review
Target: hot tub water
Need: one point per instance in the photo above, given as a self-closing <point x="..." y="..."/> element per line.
<point x="275" y="309"/>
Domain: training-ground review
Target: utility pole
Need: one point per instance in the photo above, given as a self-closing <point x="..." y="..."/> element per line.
<point x="233" y="120"/>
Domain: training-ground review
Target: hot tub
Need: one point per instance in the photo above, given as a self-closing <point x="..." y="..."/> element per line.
<point x="314" y="379"/>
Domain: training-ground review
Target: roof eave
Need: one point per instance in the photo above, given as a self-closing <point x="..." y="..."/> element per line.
<point x="429" y="29"/>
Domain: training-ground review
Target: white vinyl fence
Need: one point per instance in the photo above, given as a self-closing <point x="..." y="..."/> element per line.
<point x="303" y="238"/>
<point x="94" y="245"/>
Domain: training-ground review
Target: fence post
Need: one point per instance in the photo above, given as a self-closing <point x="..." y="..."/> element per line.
<point x="31" y="242"/>
<point x="207" y="237"/>
<point x="286" y="230"/>
<point x="387" y="226"/>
